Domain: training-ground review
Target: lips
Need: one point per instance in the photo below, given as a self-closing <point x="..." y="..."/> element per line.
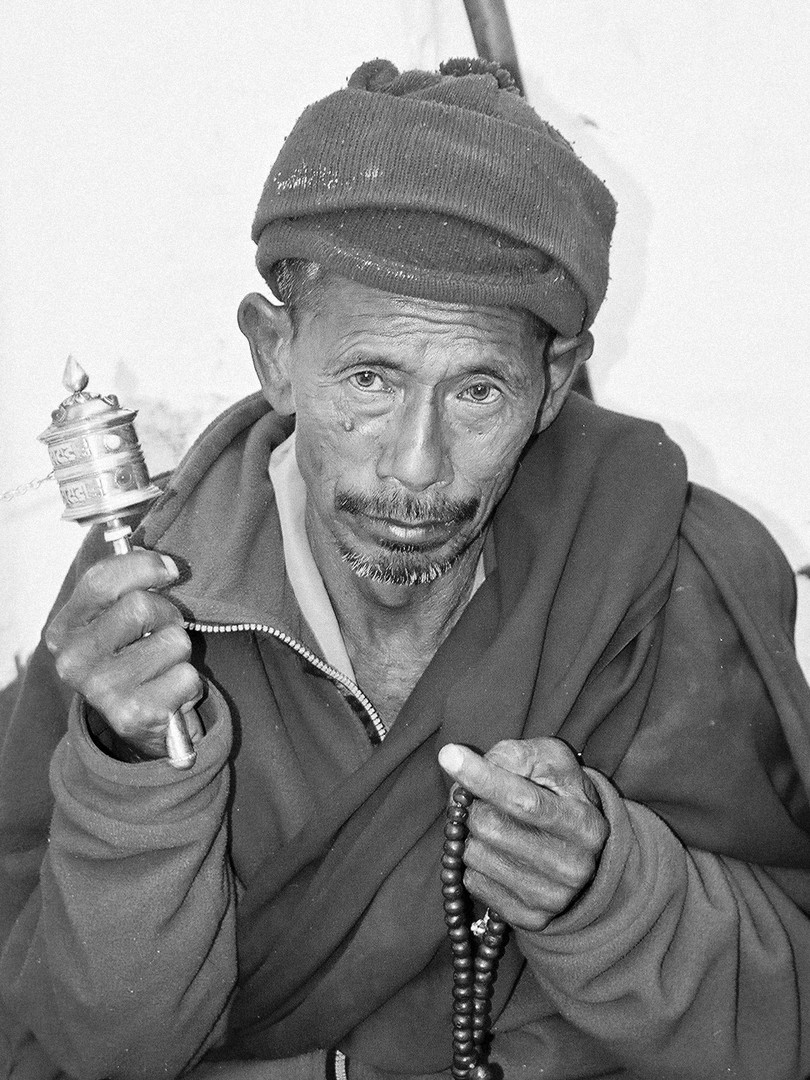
<point x="414" y="534"/>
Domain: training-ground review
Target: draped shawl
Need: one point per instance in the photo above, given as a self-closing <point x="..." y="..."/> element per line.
<point x="643" y="620"/>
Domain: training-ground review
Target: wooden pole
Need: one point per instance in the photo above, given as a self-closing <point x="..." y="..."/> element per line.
<point x="492" y="34"/>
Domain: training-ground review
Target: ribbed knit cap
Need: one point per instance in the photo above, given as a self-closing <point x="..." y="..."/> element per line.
<point x="443" y="185"/>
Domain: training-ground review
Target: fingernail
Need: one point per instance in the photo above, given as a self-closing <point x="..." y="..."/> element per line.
<point x="170" y="565"/>
<point x="451" y="758"/>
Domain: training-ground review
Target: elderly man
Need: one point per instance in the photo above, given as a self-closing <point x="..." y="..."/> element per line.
<point x="426" y="562"/>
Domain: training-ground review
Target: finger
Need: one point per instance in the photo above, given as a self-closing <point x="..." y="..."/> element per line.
<point x="103" y="584"/>
<point x="150" y="657"/>
<point x="535" y="864"/>
<point x="113" y="650"/>
<point x="507" y="791"/>
<point x="496" y="896"/>
<point x="143" y="715"/>
<point x="132" y="618"/>
<point x="545" y="761"/>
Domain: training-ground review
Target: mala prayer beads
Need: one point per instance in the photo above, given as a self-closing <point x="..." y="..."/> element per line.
<point x="474" y="968"/>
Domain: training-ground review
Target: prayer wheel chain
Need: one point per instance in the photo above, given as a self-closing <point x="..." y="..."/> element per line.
<point x="474" y="966"/>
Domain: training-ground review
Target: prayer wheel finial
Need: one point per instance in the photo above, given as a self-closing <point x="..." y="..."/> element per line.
<point x="74" y="378"/>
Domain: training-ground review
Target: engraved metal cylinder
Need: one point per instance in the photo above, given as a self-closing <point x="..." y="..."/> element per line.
<point x="97" y="460"/>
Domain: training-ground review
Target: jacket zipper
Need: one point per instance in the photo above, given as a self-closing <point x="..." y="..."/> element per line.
<point x="348" y="688"/>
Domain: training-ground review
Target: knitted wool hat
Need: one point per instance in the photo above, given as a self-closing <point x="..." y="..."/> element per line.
<point x="442" y="185"/>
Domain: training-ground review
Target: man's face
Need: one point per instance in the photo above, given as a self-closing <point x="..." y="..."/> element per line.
<point x="410" y="417"/>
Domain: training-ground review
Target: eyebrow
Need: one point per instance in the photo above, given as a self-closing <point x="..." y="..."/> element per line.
<point x="485" y="369"/>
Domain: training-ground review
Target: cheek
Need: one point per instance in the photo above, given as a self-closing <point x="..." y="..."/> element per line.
<point x="331" y="452"/>
<point x="485" y="457"/>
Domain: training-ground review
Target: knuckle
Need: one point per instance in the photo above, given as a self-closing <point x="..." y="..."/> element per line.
<point x="175" y="639"/>
<point x="488" y="824"/>
<point x="53" y="635"/>
<point x="95" y="687"/>
<point x="474" y="883"/>
<point x="574" y="871"/>
<point x="190" y="682"/>
<point x="557" y="753"/>
<point x="598" y="831"/>
<point x="138" y="608"/>
<point x="129" y="715"/>
<point x="528" y="799"/>
<point x="95" y="582"/>
<point x="66" y="666"/>
<point x="509" y="753"/>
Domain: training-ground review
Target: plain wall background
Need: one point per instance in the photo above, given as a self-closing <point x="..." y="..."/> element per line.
<point x="136" y="138"/>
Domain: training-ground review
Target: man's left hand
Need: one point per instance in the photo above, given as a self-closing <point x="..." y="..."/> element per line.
<point x="536" y="830"/>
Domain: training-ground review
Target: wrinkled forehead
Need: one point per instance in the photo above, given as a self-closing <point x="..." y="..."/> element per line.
<point x="351" y="306"/>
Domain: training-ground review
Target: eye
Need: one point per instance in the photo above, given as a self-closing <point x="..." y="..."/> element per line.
<point x="367" y="380"/>
<point x="482" y="393"/>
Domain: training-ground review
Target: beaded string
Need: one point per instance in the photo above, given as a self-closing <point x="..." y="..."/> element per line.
<point x="474" y="968"/>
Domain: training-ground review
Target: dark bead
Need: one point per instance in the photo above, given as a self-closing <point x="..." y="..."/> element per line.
<point x="458" y="933"/>
<point x="450" y="876"/>
<point x="463" y="993"/>
<point x="462" y="1021"/>
<point x="488" y="953"/>
<point x="464" y="979"/>
<point x="453" y="862"/>
<point x="454" y="891"/>
<point x="482" y="1006"/>
<point x="455" y="830"/>
<point x="496" y="924"/>
<point x="462" y="796"/>
<point x="455" y="906"/>
<point x="482" y="990"/>
<point x="464" y="1045"/>
<point x="463" y="1008"/>
<point x="483" y="963"/>
<point x="464" y="1062"/>
<point x="457" y="814"/>
<point x="470" y="1051"/>
<point x="493" y="941"/>
<point x="462" y="950"/>
<point x="454" y="847"/>
<point x="481" y="1072"/>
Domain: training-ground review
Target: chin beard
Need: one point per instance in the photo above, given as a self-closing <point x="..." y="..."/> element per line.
<point x="398" y="566"/>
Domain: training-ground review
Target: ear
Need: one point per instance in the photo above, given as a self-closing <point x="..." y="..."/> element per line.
<point x="269" y="331"/>
<point x="563" y="359"/>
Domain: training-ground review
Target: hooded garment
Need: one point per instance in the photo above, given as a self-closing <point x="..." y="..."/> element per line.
<point x="645" y="621"/>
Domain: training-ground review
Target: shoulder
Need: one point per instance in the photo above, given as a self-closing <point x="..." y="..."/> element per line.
<point x="738" y="551"/>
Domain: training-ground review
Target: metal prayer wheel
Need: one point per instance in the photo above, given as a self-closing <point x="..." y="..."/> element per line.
<point x="96" y="457"/>
<point x="99" y="467"/>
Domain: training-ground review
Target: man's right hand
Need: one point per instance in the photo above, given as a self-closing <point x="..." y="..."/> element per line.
<point x="122" y="646"/>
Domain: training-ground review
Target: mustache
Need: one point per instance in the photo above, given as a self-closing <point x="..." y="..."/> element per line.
<point x="407" y="508"/>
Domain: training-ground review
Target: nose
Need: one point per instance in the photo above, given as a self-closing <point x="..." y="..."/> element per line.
<point x="415" y="449"/>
